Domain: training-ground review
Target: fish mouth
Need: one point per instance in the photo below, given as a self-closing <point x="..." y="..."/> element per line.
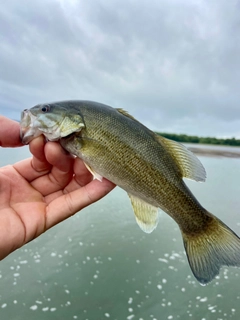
<point x="27" y="130"/>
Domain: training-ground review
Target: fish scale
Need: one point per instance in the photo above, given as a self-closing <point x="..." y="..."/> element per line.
<point x="148" y="167"/>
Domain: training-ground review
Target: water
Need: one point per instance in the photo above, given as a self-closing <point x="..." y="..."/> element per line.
<point x="100" y="265"/>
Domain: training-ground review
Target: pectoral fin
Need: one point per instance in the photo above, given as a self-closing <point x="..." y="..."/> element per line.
<point x="145" y="214"/>
<point x="94" y="173"/>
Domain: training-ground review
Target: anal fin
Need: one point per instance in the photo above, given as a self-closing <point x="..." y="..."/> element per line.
<point x="146" y="215"/>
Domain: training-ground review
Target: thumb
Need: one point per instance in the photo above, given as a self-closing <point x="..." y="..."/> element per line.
<point x="9" y="133"/>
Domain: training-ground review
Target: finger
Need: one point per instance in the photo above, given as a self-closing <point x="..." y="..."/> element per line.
<point x="61" y="170"/>
<point x="39" y="161"/>
<point x="70" y="203"/>
<point x="9" y="133"/>
<point x="36" y="166"/>
<point x="58" y="157"/>
<point x="82" y="176"/>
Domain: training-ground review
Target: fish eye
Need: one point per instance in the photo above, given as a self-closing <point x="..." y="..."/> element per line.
<point x="45" y="109"/>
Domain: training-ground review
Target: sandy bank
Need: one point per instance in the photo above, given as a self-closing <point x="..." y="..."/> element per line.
<point x="212" y="152"/>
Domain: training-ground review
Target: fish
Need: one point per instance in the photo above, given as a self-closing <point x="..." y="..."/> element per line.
<point x="150" y="168"/>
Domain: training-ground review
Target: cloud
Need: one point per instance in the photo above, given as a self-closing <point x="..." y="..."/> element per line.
<point x="173" y="64"/>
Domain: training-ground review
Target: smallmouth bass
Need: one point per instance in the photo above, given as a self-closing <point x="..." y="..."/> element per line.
<point x="148" y="167"/>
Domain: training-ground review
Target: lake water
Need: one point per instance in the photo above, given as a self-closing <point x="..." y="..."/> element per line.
<point x="99" y="265"/>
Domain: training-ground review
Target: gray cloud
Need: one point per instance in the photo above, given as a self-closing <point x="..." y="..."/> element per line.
<point x="173" y="64"/>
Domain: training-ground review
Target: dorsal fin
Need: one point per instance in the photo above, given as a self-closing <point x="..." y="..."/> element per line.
<point x="125" y="113"/>
<point x="146" y="215"/>
<point x="189" y="165"/>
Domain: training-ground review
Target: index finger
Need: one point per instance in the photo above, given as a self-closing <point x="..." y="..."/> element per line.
<point x="9" y="133"/>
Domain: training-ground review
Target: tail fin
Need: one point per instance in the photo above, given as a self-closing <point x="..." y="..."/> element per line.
<point x="208" y="251"/>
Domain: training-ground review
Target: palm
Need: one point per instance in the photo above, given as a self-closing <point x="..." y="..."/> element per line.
<point x="22" y="210"/>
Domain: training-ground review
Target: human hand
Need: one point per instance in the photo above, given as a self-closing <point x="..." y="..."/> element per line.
<point x="38" y="193"/>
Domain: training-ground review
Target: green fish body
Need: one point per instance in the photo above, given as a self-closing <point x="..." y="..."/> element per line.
<point x="147" y="166"/>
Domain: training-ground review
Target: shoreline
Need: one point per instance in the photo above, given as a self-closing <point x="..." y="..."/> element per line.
<point x="212" y="152"/>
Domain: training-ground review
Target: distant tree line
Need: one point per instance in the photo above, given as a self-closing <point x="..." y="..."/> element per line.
<point x="205" y="140"/>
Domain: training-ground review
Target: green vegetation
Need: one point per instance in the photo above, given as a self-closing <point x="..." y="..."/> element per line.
<point x="204" y="140"/>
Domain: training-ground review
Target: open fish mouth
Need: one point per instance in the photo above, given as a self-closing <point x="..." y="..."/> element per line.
<point x="27" y="129"/>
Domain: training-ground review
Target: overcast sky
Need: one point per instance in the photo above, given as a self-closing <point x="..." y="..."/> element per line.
<point x="173" y="64"/>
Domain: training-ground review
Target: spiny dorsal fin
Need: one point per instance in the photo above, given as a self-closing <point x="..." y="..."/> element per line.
<point x="146" y="215"/>
<point x="187" y="162"/>
<point x="125" y="113"/>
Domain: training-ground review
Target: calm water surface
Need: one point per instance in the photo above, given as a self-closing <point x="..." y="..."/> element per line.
<point x="100" y="265"/>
